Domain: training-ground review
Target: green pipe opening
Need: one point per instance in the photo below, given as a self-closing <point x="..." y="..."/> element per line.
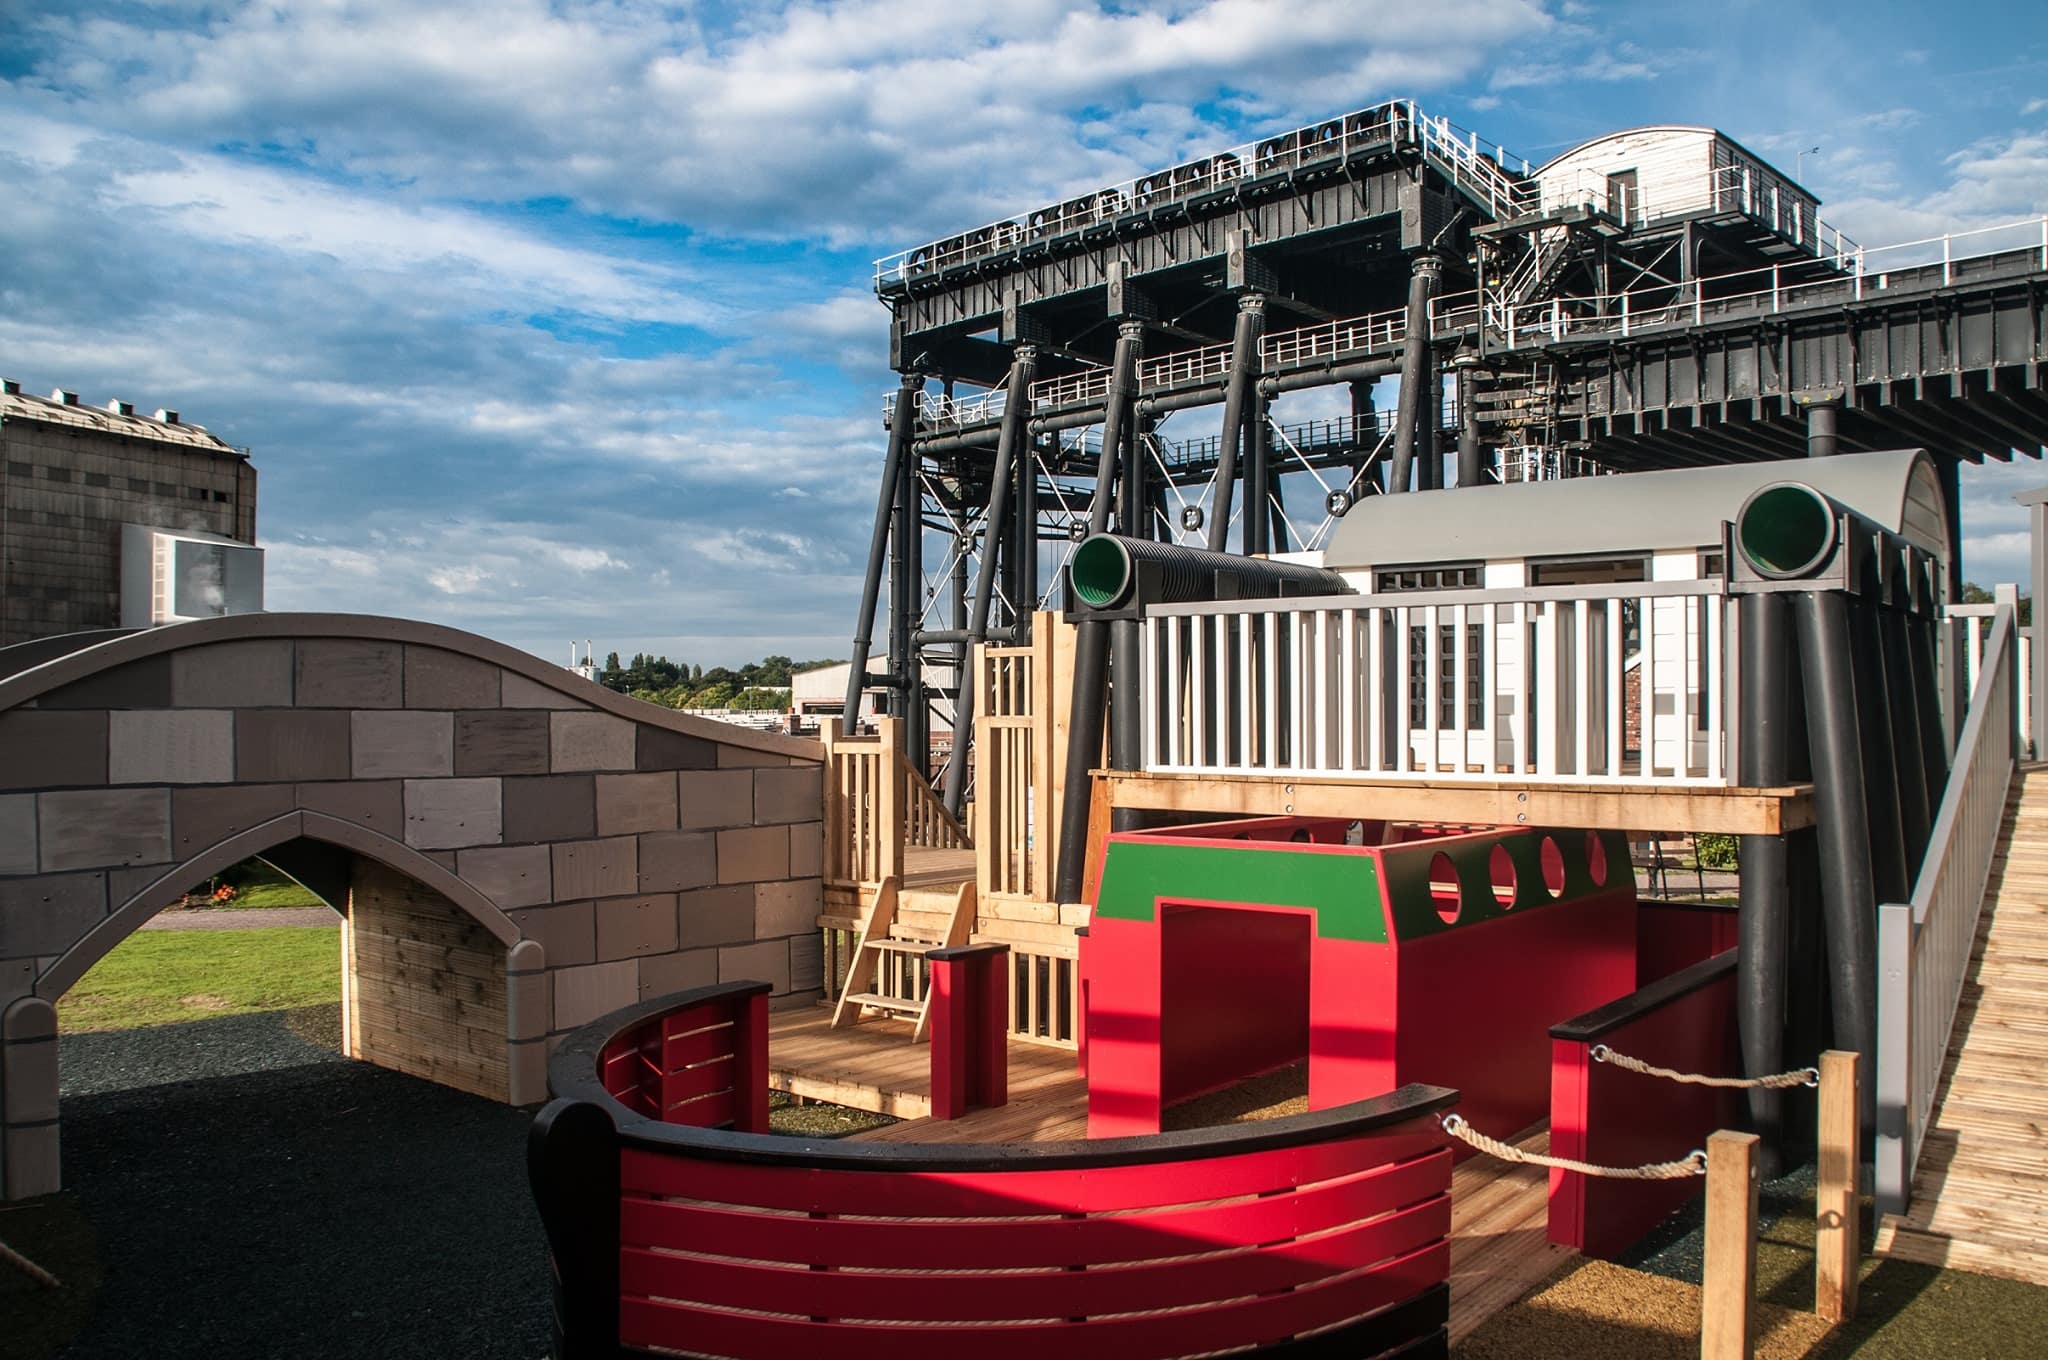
<point x="1785" y="530"/>
<point x="1101" y="572"/>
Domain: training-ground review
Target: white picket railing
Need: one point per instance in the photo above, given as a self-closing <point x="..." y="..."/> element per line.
<point x="1923" y="946"/>
<point x="1574" y="684"/>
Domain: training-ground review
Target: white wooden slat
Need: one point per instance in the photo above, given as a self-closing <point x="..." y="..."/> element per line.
<point x="1176" y="742"/>
<point x="1432" y="688"/>
<point x="1269" y="660"/>
<point x="1547" y="710"/>
<point x="1617" y="690"/>
<point x="1324" y="619"/>
<point x="1461" y="680"/>
<point x="1711" y="608"/>
<point x="1646" y="686"/>
<point x="1347" y="681"/>
<point x="1148" y="701"/>
<point x="1403" y="727"/>
<point x="1582" y="690"/>
<point x="1375" y="690"/>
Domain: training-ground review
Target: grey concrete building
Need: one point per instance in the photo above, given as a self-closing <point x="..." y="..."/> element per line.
<point x="73" y="476"/>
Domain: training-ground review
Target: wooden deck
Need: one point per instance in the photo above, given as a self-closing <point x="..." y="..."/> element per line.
<point x="1481" y="802"/>
<point x="1499" y="1212"/>
<point x="876" y="1066"/>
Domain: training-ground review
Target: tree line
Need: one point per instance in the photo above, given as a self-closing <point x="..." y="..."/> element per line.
<point x="762" y="684"/>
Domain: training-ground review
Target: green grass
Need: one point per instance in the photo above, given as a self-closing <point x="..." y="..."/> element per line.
<point x="162" y="977"/>
<point x="259" y="887"/>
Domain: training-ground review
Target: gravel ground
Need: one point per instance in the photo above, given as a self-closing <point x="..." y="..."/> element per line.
<point x="214" y="918"/>
<point x="253" y="1195"/>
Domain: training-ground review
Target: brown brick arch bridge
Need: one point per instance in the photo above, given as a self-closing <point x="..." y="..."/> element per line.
<point x="513" y="849"/>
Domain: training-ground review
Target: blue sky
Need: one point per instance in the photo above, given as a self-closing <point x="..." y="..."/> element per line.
<point x="554" y="320"/>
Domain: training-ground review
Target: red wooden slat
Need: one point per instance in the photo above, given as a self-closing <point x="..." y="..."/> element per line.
<point x="1053" y="1293"/>
<point x="687" y="1050"/>
<point x="704" y="1112"/>
<point x="968" y="1193"/>
<point x="1009" y="1243"/>
<point x="1196" y="1331"/>
<point x="691" y="1082"/>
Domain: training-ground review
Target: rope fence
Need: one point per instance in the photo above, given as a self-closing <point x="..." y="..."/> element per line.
<point x="1777" y="1081"/>
<point x="1694" y="1163"/>
<point x="28" y="1267"/>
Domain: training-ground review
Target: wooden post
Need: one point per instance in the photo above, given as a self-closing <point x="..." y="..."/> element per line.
<point x="889" y="792"/>
<point x="1728" y="1302"/>
<point x="1837" y="1231"/>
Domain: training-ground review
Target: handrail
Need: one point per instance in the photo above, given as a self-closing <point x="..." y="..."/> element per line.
<point x="1924" y="945"/>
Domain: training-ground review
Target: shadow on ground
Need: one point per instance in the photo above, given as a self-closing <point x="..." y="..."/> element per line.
<point x="317" y="1208"/>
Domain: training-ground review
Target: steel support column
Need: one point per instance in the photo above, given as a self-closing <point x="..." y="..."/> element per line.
<point x="901" y="426"/>
<point x="1244" y="371"/>
<point x="1764" y="922"/>
<point x="1426" y="270"/>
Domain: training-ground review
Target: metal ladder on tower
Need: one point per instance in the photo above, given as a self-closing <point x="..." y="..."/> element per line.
<point x="887" y="972"/>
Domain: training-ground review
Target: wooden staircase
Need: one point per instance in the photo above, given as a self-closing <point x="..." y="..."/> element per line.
<point x="1980" y="1193"/>
<point x="887" y="973"/>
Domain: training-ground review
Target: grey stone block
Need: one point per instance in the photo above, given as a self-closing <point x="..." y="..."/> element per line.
<point x="17" y="833"/>
<point x="170" y="746"/>
<point x="449" y="814"/>
<point x="590" y="741"/>
<point x="349" y="673"/>
<point x="378" y="805"/>
<point x="671" y="861"/>
<point x="568" y="932"/>
<point x="401" y="744"/>
<point x="708" y="799"/>
<point x="582" y="994"/>
<point x="511" y="876"/>
<point x="139" y="684"/>
<point x="667" y="974"/>
<point x="628" y="927"/>
<point x="712" y="916"/>
<point x="101" y="828"/>
<point x="661" y="749"/>
<point x="520" y="692"/>
<point x="42" y="917"/>
<point x="766" y="961"/>
<point x="253" y="674"/>
<point x="806" y="849"/>
<point x="752" y="854"/>
<point x="556" y="807"/>
<point x="787" y="908"/>
<point x="46" y="750"/>
<point x="604" y="868"/>
<point x="278" y="745"/>
<point x="435" y="678"/>
<point x="203" y="818"/>
<point x="792" y="794"/>
<point x="629" y="803"/>
<point x="501" y="741"/>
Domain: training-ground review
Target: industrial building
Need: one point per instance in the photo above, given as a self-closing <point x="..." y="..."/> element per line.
<point x="79" y="479"/>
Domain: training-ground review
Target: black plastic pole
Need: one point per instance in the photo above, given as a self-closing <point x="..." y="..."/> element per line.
<point x="1244" y="371"/>
<point x="1414" y="370"/>
<point x="1470" y="471"/>
<point x="1091" y="635"/>
<point x="901" y="425"/>
<point x="1848" y="894"/>
<point x="996" y="522"/>
<point x="1763" y="925"/>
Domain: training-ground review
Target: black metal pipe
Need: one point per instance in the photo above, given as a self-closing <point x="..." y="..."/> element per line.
<point x="1116" y="416"/>
<point x="901" y="424"/>
<point x="1133" y="501"/>
<point x="1470" y="470"/>
<point x="959" y="443"/>
<point x="1848" y="893"/>
<point x="1823" y="419"/>
<point x="1365" y="371"/>
<point x="1244" y="372"/>
<point x="1084" y="745"/>
<point x="1764" y="923"/>
<point x="1258" y="476"/>
<point x="931" y="637"/>
<point x="1915" y="813"/>
<point x="1889" y="874"/>
<point x="1414" y="369"/>
<point x="1108" y="571"/>
<point x="906" y="609"/>
<point x="1027" y="542"/>
<point x="1023" y="365"/>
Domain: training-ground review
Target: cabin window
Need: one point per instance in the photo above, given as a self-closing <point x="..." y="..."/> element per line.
<point x="1446" y="698"/>
<point x="1588" y="571"/>
<point x="1464" y="576"/>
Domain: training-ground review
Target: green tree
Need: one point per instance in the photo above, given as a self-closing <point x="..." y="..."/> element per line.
<point x="1976" y="594"/>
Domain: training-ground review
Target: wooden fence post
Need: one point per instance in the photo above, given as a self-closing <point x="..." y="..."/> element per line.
<point x="1837" y="1229"/>
<point x="1728" y="1302"/>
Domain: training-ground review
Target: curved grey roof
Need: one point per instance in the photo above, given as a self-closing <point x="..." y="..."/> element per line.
<point x="1630" y="512"/>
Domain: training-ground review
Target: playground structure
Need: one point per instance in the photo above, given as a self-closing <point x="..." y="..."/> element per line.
<point x="513" y="850"/>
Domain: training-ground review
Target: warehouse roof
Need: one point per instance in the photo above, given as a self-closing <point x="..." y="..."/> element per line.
<point x="116" y="417"/>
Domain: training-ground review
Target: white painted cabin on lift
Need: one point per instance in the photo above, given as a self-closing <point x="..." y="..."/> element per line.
<point x="1655" y="174"/>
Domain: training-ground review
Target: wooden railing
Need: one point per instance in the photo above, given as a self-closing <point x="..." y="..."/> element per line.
<point x="1016" y="768"/>
<point x="1923" y="946"/>
<point x="876" y="806"/>
<point x="1580" y="684"/>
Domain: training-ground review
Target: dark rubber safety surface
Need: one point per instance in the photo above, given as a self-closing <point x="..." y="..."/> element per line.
<point x="316" y="1208"/>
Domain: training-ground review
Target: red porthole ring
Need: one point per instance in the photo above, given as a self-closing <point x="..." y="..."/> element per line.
<point x="1443" y="888"/>
<point x="1500" y="867"/>
<point x="1596" y="858"/>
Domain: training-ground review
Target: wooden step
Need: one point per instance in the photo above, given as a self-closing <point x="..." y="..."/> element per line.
<point x="894" y="1005"/>
<point x="895" y="946"/>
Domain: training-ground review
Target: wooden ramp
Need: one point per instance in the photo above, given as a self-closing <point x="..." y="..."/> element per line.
<point x="1980" y="1194"/>
<point x="1500" y="1234"/>
<point x="877" y="1066"/>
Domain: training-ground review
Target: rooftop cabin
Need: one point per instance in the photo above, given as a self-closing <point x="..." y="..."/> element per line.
<point x="1650" y="176"/>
